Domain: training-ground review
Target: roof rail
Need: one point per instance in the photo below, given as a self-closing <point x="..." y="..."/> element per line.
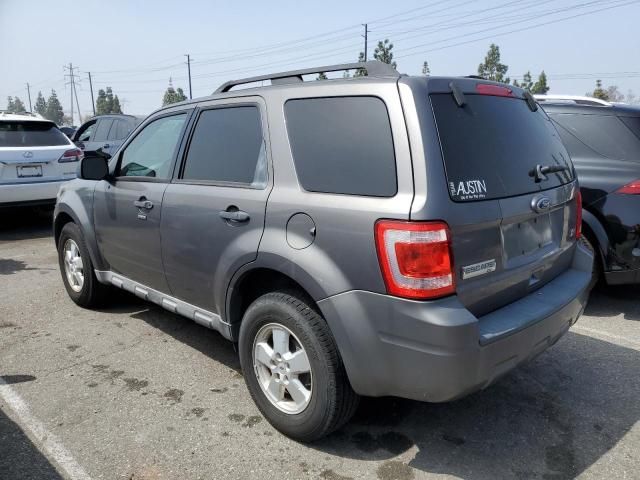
<point x="576" y="99"/>
<point x="374" y="68"/>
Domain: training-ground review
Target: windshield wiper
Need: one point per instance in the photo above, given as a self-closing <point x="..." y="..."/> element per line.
<point x="540" y="172"/>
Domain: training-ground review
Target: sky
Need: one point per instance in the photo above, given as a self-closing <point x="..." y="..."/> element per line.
<point x="136" y="46"/>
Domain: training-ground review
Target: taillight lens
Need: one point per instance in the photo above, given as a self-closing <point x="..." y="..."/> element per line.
<point x="415" y="258"/>
<point x="578" y="215"/>
<point x="73" y="155"/>
<point x="632" y="188"/>
<point x="495" y="90"/>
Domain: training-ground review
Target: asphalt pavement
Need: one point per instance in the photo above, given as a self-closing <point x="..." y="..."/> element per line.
<point x="134" y="392"/>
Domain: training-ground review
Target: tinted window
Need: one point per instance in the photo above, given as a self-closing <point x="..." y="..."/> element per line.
<point x="117" y="130"/>
<point x="227" y="146"/>
<point x="31" y="134"/>
<point x="606" y="134"/>
<point x="490" y="145"/>
<point x="633" y="123"/>
<point x="151" y="152"/>
<point x="102" y="131"/>
<point x="342" y="145"/>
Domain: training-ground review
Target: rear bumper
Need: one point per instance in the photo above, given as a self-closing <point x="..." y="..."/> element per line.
<point x="30" y="193"/>
<point x="438" y="351"/>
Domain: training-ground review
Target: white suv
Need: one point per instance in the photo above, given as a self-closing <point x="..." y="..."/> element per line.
<point x="35" y="159"/>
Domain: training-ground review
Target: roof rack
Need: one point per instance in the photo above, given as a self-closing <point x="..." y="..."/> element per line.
<point x="576" y="99"/>
<point x="374" y="68"/>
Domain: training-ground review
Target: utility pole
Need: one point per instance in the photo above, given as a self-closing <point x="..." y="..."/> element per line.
<point x="93" y="104"/>
<point x="366" y="38"/>
<point x="189" y="72"/>
<point x="75" y="93"/>
<point x="72" y="82"/>
<point x="29" y="95"/>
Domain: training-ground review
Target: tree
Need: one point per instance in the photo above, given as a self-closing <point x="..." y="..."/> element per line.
<point x="18" y="106"/>
<point x="599" y="92"/>
<point x="425" y="69"/>
<point x="109" y="100"/>
<point x="54" y="109"/>
<point x="41" y="105"/>
<point x="10" y="107"/>
<point x="101" y="103"/>
<point x="321" y="76"/>
<point x="614" y="94"/>
<point x="383" y="52"/>
<point x="540" y="87"/>
<point x="527" y="82"/>
<point x="172" y="95"/>
<point x="491" y="68"/>
<point x="116" y="105"/>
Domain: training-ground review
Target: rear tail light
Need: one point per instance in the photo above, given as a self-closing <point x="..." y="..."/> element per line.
<point x="495" y="90"/>
<point x="632" y="188"/>
<point x="578" y="215"/>
<point x="415" y="258"/>
<point x="73" y="155"/>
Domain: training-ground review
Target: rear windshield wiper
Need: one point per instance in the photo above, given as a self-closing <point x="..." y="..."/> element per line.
<point x="540" y="172"/>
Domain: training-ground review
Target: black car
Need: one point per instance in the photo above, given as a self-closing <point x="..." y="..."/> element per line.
<point x="106" y="132"/>
<point x="68" y="131"/>
<point x="603" y="140"/>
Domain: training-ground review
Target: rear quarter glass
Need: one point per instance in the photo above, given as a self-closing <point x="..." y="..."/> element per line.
<point x="490" y="144"/>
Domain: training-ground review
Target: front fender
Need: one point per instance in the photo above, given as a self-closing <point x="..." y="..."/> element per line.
<point x="75" y="199"/>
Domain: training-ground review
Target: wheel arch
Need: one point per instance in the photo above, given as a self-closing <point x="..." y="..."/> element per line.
<point x="594" y="230"/>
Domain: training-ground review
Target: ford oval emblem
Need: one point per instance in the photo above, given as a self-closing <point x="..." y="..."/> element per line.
<point x="540" y="204"/>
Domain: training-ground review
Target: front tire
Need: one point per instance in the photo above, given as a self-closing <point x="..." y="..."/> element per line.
<point x="76" y="268"/>
<point x="292" y="367"/>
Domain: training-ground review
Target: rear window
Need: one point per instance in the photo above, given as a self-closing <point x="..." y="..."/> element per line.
<point x="490" y="145"/>
<point x="31" y="134"/>
<point x="606" y="134"/>
<point x="342" y="145"/>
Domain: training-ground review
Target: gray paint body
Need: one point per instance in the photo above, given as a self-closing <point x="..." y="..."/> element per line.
<point x="189" y="260"/>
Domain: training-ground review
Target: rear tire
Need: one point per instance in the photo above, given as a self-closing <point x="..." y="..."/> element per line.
<point x="77" y="270"/>
<point x="326" y="399"/>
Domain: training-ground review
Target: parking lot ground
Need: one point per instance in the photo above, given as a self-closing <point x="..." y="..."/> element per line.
<point x="134" y="392"/>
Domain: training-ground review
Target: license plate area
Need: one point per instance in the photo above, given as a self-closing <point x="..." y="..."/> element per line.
<point x="527" y="237"/>
<point x="29" y="171"/>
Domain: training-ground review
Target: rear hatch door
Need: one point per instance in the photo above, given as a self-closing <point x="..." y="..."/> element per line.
<point x="512" y="225"/>
<point x="30" y="150"/>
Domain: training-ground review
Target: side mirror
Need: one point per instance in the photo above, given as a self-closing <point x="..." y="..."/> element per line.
<point x="94" y="168"/>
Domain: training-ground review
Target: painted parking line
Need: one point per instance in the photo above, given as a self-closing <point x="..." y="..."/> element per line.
<point x="599" y="333"/>
<point x="48" y="442"/>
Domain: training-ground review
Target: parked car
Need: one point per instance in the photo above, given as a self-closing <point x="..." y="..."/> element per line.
<point x="68" y="131"/>
<point x="105" y="132"/>
<point x="604" y="142"/>
<point x="383" y="235"/>
<point x="35" y="159"/>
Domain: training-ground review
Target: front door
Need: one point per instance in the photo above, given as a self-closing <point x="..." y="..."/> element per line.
<point x="213" y="214"/>
<point x="127" y="208"/>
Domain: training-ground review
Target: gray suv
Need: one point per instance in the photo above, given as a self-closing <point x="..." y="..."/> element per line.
<point x="382" y="235"/>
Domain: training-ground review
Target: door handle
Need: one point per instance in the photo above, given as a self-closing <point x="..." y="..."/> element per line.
<point x="106" y="145"/>
<point x="142" y="202"/>
<point x="234" y="215"/>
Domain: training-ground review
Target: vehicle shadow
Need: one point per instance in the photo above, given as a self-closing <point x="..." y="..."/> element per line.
<point x="610" y="301"/>
<point x="206" y="341"/>
<point x="551" y="419"/>
<point x="19" y="457"/>
<point x="25" y="223"/>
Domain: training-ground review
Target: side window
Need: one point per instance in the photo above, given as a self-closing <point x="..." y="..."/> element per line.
<point x="227" y="146"/>
<point x="116" y="132"/>
<point x="342" y="145"/>
<point x="85" y="135"/>
<point x="151" y="152"/>
<point x="102" y="131"/>
<point x="606" y="134"/>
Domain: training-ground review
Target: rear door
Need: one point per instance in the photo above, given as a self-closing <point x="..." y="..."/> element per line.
<point x="30" y="152"/>
<point x="213" y="213"/>
<point x="513" y="229"/>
